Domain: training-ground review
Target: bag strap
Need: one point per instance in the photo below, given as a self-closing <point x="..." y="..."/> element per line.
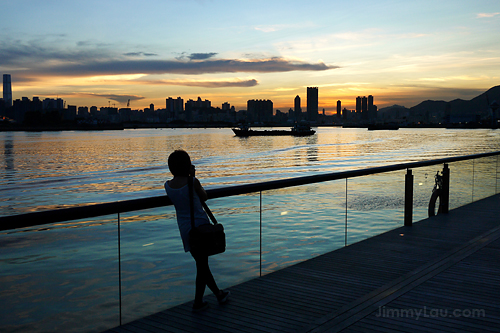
<point x="191" y="200"/>
<point x="203" y="204"/>
<point x="209" y="212"/>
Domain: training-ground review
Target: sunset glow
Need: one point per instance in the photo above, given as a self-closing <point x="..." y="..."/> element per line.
<point x="94" y="52"/>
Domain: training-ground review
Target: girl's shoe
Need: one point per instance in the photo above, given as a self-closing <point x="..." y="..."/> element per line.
<point x="200" y="307"/>
<point x="223" y="296"/>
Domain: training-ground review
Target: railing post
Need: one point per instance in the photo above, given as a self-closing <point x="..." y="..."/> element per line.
<point x="444" y="202"/>
<point x="119" y="270"/>
<point x="260" y="235"/>
<point x="408" y="198"/>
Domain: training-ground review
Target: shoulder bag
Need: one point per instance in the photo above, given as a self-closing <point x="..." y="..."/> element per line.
<point x="206" y="239"/>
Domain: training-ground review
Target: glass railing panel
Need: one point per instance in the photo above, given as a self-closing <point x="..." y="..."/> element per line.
<point x="60" y="277"/>
<point x="156" y="272"/>
<point x="461" y="183"/>
<point x="375" y="204"/>
<point x="240" y="217"/>
<point x="302" y="222"/>
<point x="485" y="176"/>
<point x="423" y="183"/>
<point x="497" y="177"/>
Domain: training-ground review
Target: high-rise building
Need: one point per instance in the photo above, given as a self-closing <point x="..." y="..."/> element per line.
<point x="358" y="105"/>
<point x="370" y="102"/>
<point x="174" y="107"/>
<point x="372" y="109"/>
<point x="7" y="90"/>
<point x="260" y="110"/>
<point x="339" y="108"/>
<point x="312" y="103"/>
<point x="364" y="107"/>
<point x="297" y="109"/>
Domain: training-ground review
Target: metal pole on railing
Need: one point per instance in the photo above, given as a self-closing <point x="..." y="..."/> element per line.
<point x="444" y="202"/>
<point x="260" y="239"/>
<point x="119" y="270"/>
<point x="345" y="233"/>
<point x="496" y="177"/>
<point x="473" y="175"/>
<point x="408" y="198"/>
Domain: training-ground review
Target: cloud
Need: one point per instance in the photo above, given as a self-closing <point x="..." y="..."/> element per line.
<point x="114" y="97"/>
<point x="201" y="56"/>
<point x="207" y="84"/>
<point x="278" y="27"/>
<point x="115" y="67"/>
<point x="195" y="56"/>
<point x="271" y="28"/>
<point x="38" y="59"/>
<point x="16" y="53"/>
<point x="486" y="15"/>
<point x="138" y="54"/>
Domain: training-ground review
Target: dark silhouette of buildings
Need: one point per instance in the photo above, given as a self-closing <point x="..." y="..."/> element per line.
<point x="297" y="109"/>
<point x="480" y="111"/>
<point x="358" y="105"/>
<point x="364" y="108"/>
<point x="174" y="107"/>
<point x="365" y="111"/>
<point x="312" y="104"/>
<point x="260" y="110"/>
<point x="7" y="90"/>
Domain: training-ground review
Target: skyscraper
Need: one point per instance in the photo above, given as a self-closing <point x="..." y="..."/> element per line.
<point x="260" y="110"/>
<point x="7" y="90"/>
<point x="364" y="108"/>
<point x="312" y="103"/>
<point x="297" y="109"/>
<point x="339" y="108"/>
<point x="370" y="102"/>
<point x="175" y="107"/>
<point x="372" y="109"/>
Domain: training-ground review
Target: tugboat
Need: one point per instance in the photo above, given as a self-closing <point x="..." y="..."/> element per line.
<point x="375" y="127"/>
<point x="296" y="130"/>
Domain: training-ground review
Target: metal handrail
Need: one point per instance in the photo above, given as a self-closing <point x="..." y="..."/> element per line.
<point x="94" y="210"/>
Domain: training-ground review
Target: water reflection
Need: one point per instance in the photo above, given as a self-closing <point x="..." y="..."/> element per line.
<point x="55" y="168"/>
<point x="9" y="156"/>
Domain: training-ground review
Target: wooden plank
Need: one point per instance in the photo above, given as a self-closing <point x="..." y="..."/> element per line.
<point x="440" y="262"/>
<point x="221" y="323"/>
<point x="163" y="325"/>
<point x="282" y="300"/>
<point x="233" y="312"/>
<point x="346" y="316"/>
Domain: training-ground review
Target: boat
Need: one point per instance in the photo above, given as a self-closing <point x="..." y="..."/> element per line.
<point x="296" y="130"/>
<point x="374" y="127"/>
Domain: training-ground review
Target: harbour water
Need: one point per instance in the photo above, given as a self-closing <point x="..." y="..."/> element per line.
<point x="65" y="276"/>
<point x="46" y="170"/>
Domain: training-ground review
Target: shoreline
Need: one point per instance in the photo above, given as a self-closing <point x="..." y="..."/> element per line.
<point x="120" y="127"/>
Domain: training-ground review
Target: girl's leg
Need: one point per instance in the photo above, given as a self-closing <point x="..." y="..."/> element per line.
<point x="204" y="278"/>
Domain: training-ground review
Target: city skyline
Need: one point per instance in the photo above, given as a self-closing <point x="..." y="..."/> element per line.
<point x="89" y="53"/>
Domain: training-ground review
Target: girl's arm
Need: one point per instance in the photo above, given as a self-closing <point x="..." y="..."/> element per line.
<point x="200" y="190"/>
<point x="197" y="185"/>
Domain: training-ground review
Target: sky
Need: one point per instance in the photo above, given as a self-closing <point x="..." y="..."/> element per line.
<point x="107" y="52"/>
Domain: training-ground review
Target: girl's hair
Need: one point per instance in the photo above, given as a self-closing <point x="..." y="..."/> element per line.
<point x="179" y="163"/>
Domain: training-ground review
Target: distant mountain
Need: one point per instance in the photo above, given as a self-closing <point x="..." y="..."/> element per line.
<point x="491" y="95"/>
<point x="395" y="112"/>
<point x="457" y="109"/>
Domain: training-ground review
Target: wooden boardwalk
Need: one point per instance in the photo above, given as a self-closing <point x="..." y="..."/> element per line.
<point x="441" y="275"/>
